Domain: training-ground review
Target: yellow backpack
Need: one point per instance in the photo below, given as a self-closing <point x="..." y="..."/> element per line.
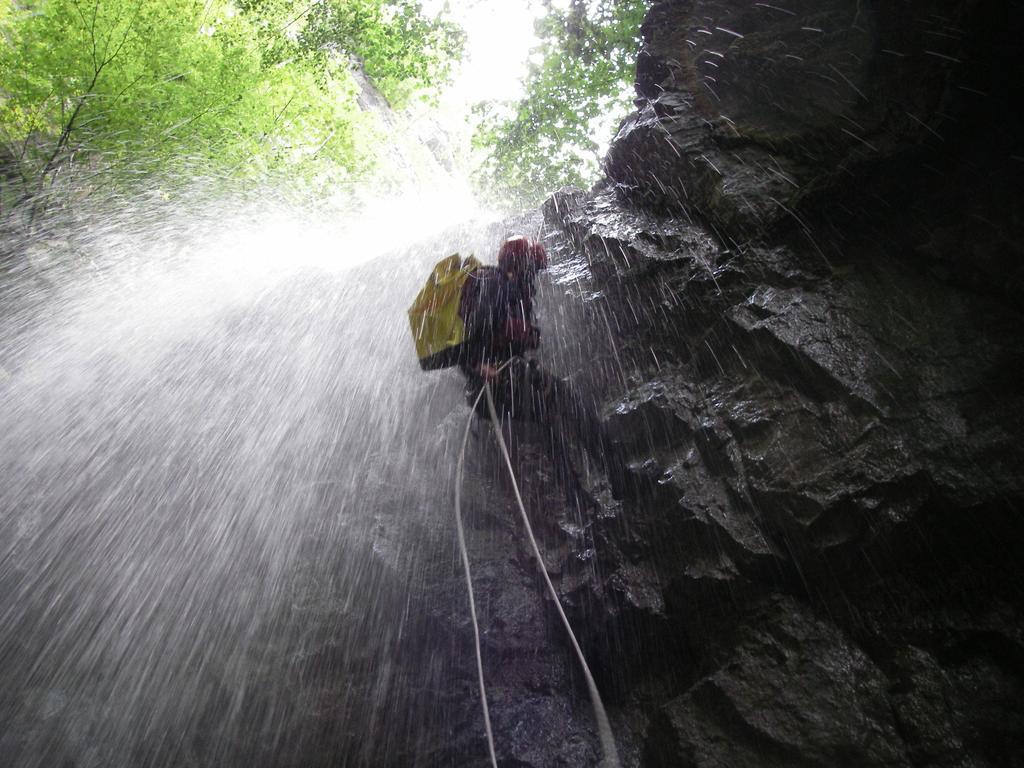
<point x="437" y="329"/>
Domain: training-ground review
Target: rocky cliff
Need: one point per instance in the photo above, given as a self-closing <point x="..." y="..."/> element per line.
<point x="797" y="296"/>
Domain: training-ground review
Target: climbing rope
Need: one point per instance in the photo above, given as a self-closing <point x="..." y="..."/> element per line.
<point x="469" y="580"/>
<point x="611" y="757"/>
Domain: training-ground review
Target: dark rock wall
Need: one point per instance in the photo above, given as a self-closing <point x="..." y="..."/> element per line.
<point x="752" y="116"/>
<point x="802" y="280"/>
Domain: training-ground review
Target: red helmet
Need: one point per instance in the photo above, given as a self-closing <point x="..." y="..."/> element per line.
<point x="521" y="254"/>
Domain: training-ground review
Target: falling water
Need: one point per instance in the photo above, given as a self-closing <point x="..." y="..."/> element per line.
<point x="223" y="477"/>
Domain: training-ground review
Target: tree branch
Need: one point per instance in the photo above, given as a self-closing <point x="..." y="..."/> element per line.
<point x="124" y="37"/>
<point x="98" y="67"/>
<point x="65" y="133"/>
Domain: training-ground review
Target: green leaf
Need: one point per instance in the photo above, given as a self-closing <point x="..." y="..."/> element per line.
<point x="582" y="74"/>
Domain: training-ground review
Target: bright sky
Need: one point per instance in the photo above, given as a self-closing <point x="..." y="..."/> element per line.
<point x="499" y="37"/>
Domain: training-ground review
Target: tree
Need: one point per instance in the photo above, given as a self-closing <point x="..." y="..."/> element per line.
<point x="213" y="87"/>
<point x="579" y="81"/>
<point x="398" y="47"/>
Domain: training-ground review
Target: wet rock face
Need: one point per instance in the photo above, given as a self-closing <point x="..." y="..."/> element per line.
<point x="748" y="113"/>
<point x="814" y="354"/>
<point x="771" y="70"/>
<point x="794" y="691"/>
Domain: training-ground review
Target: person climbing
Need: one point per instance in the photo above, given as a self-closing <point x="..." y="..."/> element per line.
<point x="481" y="318"/>
<point x="496" y="307"/>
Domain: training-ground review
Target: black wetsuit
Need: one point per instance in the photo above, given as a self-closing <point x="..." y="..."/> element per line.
<point x="498" y="314"/>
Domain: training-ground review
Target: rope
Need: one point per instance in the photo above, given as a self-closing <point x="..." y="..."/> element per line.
<point x="604" y="728"/>
<point x="611" y="756"/>
<point x="469" y="580"/>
